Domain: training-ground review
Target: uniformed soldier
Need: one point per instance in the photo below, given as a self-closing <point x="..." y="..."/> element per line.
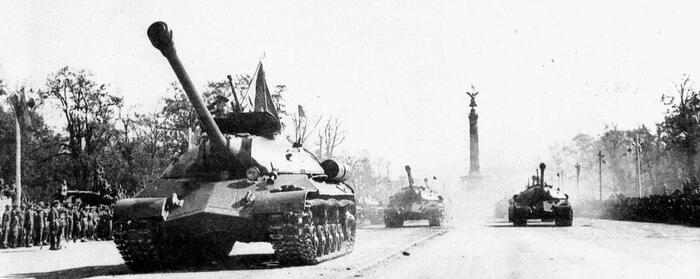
<point x="6" y="220"/>
<point x="28" y="226"/>
<point x="108" y="222"/>
<point x="55" y="229"/>
<point x="45" y="234"/>
<point x="39" y="224"/>
<point x="84" y="224"/>
<point x="77" y="224"/>
<point x="14" y="227"/>
<point x="218" y="108"/>
<point x="20" y="234"/>
<point x="91" y="222"/>
<point x="69" y="221"/>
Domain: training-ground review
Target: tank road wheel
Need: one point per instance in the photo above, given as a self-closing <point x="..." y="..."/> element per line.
<point x="435" y="219"/>
<point x="392" y="219"/>
<point x="312" y="236"/>
<point x="564" y="216"/>
<point x="141" y="245"/>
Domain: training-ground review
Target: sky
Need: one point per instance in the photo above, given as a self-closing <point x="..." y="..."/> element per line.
<point x="394" y="72"/>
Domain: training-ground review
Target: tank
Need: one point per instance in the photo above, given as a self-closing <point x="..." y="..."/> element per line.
<point x="242" y="183"/>
<point x="540" y="201"/>
<point x="414" y="203"/>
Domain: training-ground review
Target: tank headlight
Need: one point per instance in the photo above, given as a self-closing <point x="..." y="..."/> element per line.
<point x="252" y="173"/>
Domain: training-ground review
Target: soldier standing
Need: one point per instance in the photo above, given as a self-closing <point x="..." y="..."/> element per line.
<point x="20" y="235"/>
<point x="6" y="220"/>
<point x="77" y="224"/>
<point x="39" y="223"/>
<point x="91" y="223"/>
<point x="14" y="227"/>
<point x="29" y="226"/>
<point x="69" y="221"/>
<point x="54" y="226"/>
<point x="108" y="222"/>
<point x="45" y="239"/>
<point x="84" y="224"/>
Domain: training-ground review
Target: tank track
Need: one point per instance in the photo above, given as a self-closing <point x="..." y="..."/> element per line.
<point x="323" y="231"/>
<point x="144" y="247"/>
<point x="139" y="243"/>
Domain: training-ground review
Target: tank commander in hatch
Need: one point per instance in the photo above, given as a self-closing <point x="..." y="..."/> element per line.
<point x="217" y="108"/>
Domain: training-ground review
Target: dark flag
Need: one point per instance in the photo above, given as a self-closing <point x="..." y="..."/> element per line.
<point x="263" y="99"/>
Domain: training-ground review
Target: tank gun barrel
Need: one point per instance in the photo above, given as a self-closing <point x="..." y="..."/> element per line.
<point x="162" y="39"/>
<point x="410" y="177"/>
<point x="542" y="167"/>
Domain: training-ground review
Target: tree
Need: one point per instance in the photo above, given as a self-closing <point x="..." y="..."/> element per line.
<point x="329" y="137"/>
<point x="300" y="122"/>
<point x="88" y="109"/>
<point x="681" y="128"/>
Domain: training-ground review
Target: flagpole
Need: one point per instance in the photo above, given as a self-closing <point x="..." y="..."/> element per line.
<point x="18" y="161"/>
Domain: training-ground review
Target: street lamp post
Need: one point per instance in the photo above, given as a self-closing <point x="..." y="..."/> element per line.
<point x="578" y="174"/>
<point x="637" y="150"/>
<point x="600" y="174"/>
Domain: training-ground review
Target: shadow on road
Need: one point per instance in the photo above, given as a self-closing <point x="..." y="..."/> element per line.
<point x="238" y="262"/>
<point x="79" y="272"/>
<point x="528" y="226"/>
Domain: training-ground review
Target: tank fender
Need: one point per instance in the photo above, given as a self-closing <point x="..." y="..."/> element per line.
<point x="140" y="208"/>
<point x="271" y="202"/>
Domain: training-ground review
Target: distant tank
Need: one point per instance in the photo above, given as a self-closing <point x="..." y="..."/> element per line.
<point x="242" y="183"/>
<point x="414" y="203"/>
<point x="540" y="201"/>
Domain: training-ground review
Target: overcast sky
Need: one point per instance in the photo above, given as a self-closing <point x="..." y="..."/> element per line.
<point x="395" y="73"/>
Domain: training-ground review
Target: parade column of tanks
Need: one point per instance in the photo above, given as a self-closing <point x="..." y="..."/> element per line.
<point x="244" y="182"/>
<point x="414" y="203"/>
<point x="539" y="201"/>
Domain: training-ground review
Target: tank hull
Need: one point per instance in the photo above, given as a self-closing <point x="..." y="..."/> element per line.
<point x="212" y="216"/>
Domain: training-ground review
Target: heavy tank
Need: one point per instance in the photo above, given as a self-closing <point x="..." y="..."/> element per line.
<point x="242" y="183"/>
<point x="414" y="203"/>
<point x="540" y="201"/>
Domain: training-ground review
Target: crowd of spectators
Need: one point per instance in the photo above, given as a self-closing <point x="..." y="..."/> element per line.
<point x="678" y="207"/>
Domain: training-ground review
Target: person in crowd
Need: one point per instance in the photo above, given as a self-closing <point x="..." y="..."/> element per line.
<point x="14" y="228"/>
<point x="28" y="226"/>
<point x="68" y="208"/>
<point x="55" y="228"/>
<point x="6" y="221"/>
<point x="77" y="222"/>
<point x="39" y="223"/>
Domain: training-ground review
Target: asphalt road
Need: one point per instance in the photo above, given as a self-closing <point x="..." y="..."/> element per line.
<point x="97" y="259"/>
<point x="471" y="249"/>
<point x="588" y="249"/>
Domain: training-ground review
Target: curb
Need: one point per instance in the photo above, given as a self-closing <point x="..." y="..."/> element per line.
<point x="397" y="253"/>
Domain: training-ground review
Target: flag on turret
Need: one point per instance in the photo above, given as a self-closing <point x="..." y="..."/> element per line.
<point x="263" y="99"/>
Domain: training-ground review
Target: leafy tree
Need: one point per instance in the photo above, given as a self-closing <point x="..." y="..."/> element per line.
<point x="88" y="109"/>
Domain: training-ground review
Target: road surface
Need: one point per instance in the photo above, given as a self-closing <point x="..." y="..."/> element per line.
<point x="588" y="249"/>
<point x="96" y="259"/>
<point x="476" y="249"/>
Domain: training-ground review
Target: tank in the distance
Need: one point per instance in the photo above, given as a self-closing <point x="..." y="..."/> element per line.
<point x="414" y="203"/>
<point x="540" y="201"/>
<point x="242" y="183"/>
